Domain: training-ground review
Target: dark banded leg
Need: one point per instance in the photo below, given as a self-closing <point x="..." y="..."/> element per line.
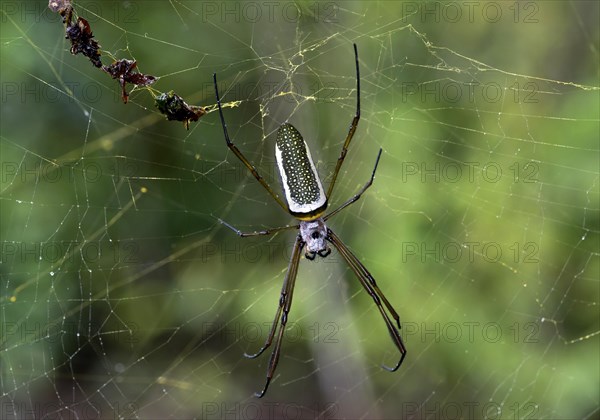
<point x="285" y="304"/>
<point x="356" y="196"/>
<point x="239" y="154"/>
<point x="353" y="127"/>
<point x="368" y="282"/>
<point x="257" y="232"/>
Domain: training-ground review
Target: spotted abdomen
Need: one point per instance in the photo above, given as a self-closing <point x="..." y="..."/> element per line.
<point x="301" y="184"/>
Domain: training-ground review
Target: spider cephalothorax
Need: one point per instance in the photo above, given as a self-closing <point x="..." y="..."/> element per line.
<point x="314" y="234"/>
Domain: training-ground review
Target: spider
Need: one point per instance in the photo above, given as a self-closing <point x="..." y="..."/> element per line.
<point x="306" y="200"/>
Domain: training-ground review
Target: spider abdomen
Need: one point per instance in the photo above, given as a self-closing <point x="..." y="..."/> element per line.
<point x="302" y="187"/>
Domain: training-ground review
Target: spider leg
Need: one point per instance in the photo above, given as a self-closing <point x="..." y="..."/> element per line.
<point x="239" y="154"/>
<point x="285" y="292"/>
<point x="352" y="129"/>
<point x="366" y="273"/>
<point x="257" y="232"/>
<point x="285" y="304"/>
<point x="356" y="196"/>
<point x="368" y="282"/>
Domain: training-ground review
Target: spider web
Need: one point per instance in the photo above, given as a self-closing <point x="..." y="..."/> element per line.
<point x="122" y="296"/>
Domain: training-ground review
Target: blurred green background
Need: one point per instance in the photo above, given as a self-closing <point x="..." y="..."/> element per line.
<point x="121" y="295"/>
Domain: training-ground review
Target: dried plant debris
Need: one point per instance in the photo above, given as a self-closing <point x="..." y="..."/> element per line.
<point x="80" y="35"/>
<point x="175" y="108"/>
<point x="60" y="6"/>
<point x="78" y="32"/>
<point x="125" y="71"/>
